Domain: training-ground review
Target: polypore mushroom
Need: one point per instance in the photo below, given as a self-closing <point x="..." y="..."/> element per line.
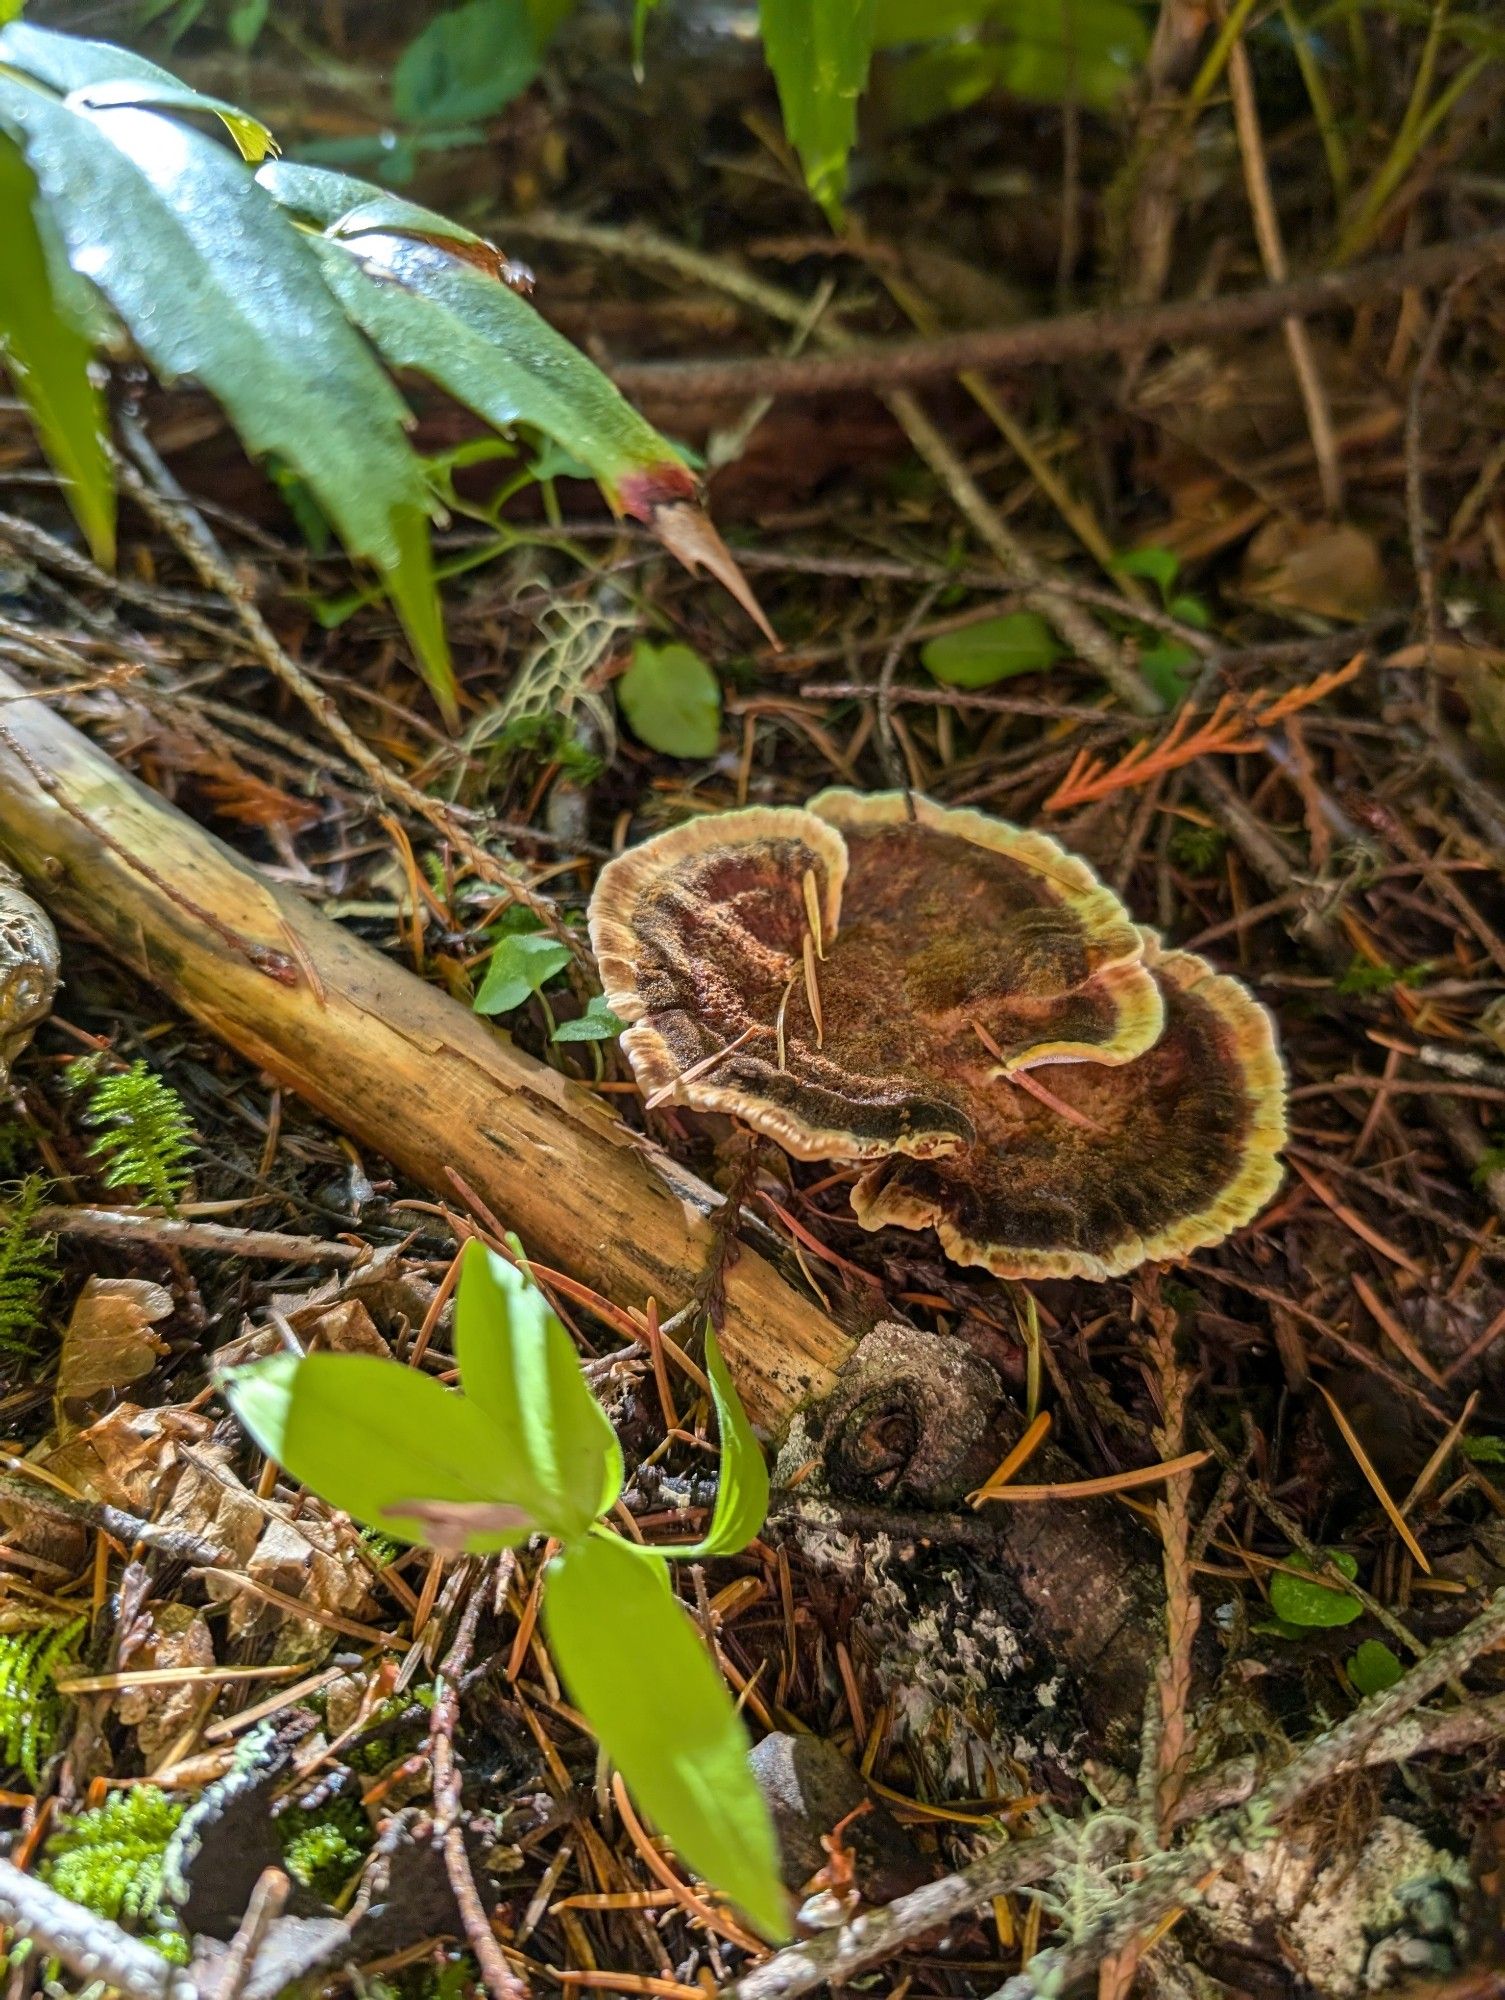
<point x="878" y="978"/>
<point x="1111" y="1166"/>
<point x="833" y="975"/>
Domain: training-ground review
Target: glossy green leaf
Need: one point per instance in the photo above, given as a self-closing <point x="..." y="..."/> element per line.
<point x="97" y="75"/>
<point x="518" y="1364"/>
<point x="212" y="282"/>
<point x="438" y="314"/>
<point x="636" y="1668"/>
<point x="596" y="1024"/>
<point x="742" y="1487"/>
<point x="672" y="700"/>
<point x="819" y="52"/>
<point x="368" y="1435"/>
<point x="466" y="64"/>
<point x="518" y="967"/>
<point x="996" y="649"/>
<point x="45" y="351"/>
<point x="1372" y="1667"/>
<point x="1313" y="1603"/>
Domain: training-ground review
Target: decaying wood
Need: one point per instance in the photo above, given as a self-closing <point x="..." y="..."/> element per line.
<point x="397" y="1064"/>
<point x="28" y="967"/>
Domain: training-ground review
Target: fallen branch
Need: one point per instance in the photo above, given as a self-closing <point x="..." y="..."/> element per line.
<point x="394" y="1062"/>
<point x="1067" y="337"/>
<point x="90" y="1946"/>
<point x="1169" y="1879"/>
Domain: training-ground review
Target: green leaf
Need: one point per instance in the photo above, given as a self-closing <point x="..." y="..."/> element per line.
<point x="1156" y="565"/>
<point x="466" y="64"/>
<point x="519" y="1365"/>
<point x="1313" y="1603"/>
<point x="46" y="352"/>
<point x="253" y="139"/>
<point x="98" y="75"/>
<point x="596" y="1024"/>
<point x="1049" y="51"/>
<point x="819" y="52"/>
<point x="519" y="965"/>
<point x="1486" y="1450"/>
<point x="1167" y="667"/>
<point x="672" y="700"/>
<point x="994" y="650"/>
<point x="442" y="316"/>
<point x="742" y="1489"/>
<point x="636" y="1668"/>
<point x="1372" y="1667"/>
<point x="212" y="282"/>
<point x="367" y="1435"/>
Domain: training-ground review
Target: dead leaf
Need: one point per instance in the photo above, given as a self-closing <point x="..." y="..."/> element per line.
<point x="108" y="1344"/>
<point x="165" y="1636"/>
<point x="1331" y="570"/>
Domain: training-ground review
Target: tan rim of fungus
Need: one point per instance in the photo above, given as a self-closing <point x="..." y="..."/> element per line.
<point x="1106" y="924"/>
<point x="1232" y="1207"/>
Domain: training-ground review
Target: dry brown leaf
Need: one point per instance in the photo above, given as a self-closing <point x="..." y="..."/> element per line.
<point x="208" y="1500"/>
<point x="108" y="1345"/>
<point x="1331" y="570"/>
<point x="310" y="1559"/>
<point x="165" y="1636"/>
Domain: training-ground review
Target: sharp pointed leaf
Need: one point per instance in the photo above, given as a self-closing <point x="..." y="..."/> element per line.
<point x="254" y="321"/>
<point x="637" y="1669"/>
<point x="368" y="1435"/>
<point x="46" y="354"/>
<point x="519" y="1365"/>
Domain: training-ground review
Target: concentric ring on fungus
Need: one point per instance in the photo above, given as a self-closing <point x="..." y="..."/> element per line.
<point x="875" y="978"/>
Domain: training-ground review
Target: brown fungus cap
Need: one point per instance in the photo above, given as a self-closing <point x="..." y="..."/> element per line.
<point x="1152" y="1159"/>
<point x="850" y="978"/>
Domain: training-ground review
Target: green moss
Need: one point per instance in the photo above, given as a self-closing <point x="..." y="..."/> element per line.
<point x="110" y="1860"/>
<point x="323" y="1849"/>
<point x="27" y="1267"/>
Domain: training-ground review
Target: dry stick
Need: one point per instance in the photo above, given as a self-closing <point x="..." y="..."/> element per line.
<point x="1273" y="256"/>
<point x="402" y="1067"/>
<point x="1416" y="506"/>
<point x="1076" y="626"/>
<point x="117" y="1225"/>
<point x="90" y="1946"/>
<point x="37" y="1497"/>
<point x="161" y="498"/>
<point x="837" y="1956"/>
<point x="1066" y="338"/>
<point x="501" y="1982"/>
<point x="1038" y="588"/>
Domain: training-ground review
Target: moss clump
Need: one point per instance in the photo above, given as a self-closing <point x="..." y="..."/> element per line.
<point x="110" y="1860"/>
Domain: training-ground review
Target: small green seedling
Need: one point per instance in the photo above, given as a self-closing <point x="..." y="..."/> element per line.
<point x="1308" y="1601"/>
<point x="523" y="1448"/>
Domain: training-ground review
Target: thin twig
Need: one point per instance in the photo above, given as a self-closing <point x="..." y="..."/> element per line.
<point x="90" y="1946"/>
<point x="1046" y="342"/>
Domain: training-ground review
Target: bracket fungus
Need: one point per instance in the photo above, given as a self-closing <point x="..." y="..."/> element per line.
<point x="877" y="979"/>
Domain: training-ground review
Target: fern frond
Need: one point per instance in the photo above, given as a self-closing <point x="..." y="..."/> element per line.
<point x="110" y="1860"/>
<point x="27" y="1267"/>
<point x="31" y="1709"/>
<point x="145" y="1136"/>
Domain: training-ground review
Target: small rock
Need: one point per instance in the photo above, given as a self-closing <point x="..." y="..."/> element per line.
<point x="809" y="1788"/>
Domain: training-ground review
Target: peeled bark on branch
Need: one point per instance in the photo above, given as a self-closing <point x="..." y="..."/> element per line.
<point x="397" y="1064"/>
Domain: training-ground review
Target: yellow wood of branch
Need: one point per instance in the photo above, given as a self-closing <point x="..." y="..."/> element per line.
<point x="402" y="1067"/>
